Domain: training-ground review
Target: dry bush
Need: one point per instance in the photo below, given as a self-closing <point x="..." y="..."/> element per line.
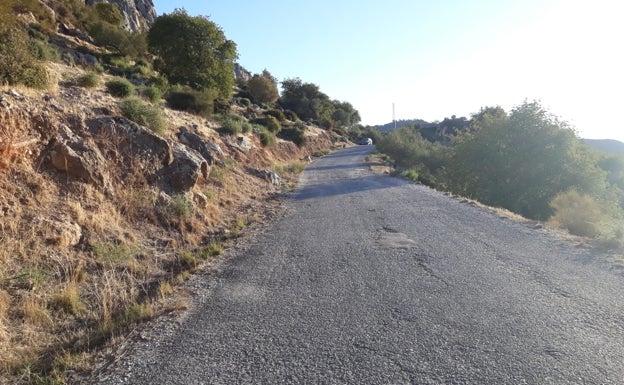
<point x="578" y="213"/>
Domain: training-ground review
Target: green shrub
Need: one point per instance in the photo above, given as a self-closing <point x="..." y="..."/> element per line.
<point x="267" y="138"/>
<point x="144" y="114"/>
<point x="277" y="114"/>
<point x="120" y="87"/>
<point x="18" y="64"/>
<point x="35" y="76"/>
<point x="245" y="102"/>
<point x="188" y="260"/>
<point x="295" y="135"/>
<point x="44" y="51"/>
<point x="270" y="122"/>
<point x="151" y="93"/>
<point x="197" y="102"/>
<point x="88" y="80"/>
<point x="233" y="124"/>
<point x="181" y="206"/>
<point x="410" y="174"/>
<point x="212" y="250"/>
<point x="291" y="115"/>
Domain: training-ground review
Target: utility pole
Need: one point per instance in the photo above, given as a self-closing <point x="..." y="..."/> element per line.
<point x="393" y="116"/>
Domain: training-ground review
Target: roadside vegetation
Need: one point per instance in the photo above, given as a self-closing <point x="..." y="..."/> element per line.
<point x="79" y="265"/>
<point x="526" y="161"/>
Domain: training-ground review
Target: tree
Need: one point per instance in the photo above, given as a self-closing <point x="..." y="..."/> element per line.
<point x="344" y="115"/>
<point x="193" y="51"/>
<point x="263" y="89"/>
<point x="306" y="100"/>
<point x="522" y="161"/>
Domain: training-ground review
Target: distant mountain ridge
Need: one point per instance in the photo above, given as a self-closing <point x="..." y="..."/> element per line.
<point x="610" y="146"/>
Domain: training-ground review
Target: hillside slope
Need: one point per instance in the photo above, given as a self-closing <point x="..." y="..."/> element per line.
<point x="101" y="219"/>
<point x="610" y="146"/>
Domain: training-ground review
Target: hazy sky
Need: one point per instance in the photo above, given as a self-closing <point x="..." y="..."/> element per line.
<point x="438" y="58"/>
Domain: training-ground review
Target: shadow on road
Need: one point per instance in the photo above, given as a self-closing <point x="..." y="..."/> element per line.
<point x="346" y="186"/>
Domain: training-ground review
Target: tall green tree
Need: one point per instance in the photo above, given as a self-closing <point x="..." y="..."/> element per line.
<point x="521" y="161"/>
<point x="344" y="115"/>
<point x="193" y="51"/>
<point x="306" y="99"/>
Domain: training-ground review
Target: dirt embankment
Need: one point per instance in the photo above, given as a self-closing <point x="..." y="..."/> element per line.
<point x="98" y="227"/>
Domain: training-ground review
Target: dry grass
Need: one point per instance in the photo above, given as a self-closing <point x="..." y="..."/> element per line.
<point x="79" y="266"/>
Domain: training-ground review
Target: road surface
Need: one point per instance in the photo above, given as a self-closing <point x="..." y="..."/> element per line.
<point x="369" y="279"/>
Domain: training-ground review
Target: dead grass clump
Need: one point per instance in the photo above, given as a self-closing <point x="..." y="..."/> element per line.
<point x="68" y="300"/>
<point x="35" y="313"/>
<point x="5" y="305"/>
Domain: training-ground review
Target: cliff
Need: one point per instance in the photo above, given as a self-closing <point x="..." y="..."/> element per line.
<point x="138" y="14"/>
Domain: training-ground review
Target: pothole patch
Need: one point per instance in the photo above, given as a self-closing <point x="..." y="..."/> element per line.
<point x="390" y="238"/>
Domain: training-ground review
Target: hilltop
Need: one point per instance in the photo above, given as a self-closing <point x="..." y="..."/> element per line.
<point x="610" y="146"/>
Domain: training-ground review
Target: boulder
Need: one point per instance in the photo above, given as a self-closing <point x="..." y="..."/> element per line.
<point x="135" y="148"/>
<point x="188" y="165"/>
<point x="77" y="157"/>
<point x="61" y="231"/>
<point x="269" y="176"/>
<point x="241" y="143"/>
<point x="209" y="150"/>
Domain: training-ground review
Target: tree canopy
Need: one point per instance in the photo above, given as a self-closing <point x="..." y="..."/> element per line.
<point x="309" y="103"/>
<point x="263" y="88"/>
<point x="193" y="51"/>
<point x="521" y="161"/>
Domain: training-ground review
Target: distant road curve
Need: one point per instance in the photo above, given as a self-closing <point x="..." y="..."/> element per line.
<point x="369" y="279"/>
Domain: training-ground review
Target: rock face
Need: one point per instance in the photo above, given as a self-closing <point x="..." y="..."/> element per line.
<point x="138" y="14"/>
<point x="135" y="149"/>
<point x="209" y="150"/>
<point x="240" y="73"/>
<point x="77" y="157"/>
<point x="188" y="165"/>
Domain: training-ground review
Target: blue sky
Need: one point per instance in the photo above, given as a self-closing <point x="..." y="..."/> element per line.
<point x="438" y="58"/>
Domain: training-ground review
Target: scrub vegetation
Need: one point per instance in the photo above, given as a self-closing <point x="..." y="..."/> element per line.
<point x="526" y="161"/>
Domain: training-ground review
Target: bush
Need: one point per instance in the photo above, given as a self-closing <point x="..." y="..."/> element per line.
<point x="120" y="87"/>
<point x="263" y="90"/>
<point x="410" y="174"/>
<point x="270" y="122"/>
<point x="44" y="51"/>
<point x="267" y="138"/>
<point x="151" y="93"/>
<point x="578" y="213"/>
<point x="144" y="114"/>
<point x="277" y="114"/>
<point x="295" y="135"/>
<point x="35" y="76"/>
<point x="245" y="102"/>
<point x="291" y="115"/>
<point x="18" y="65"/>
<point x="88" y="80"/>
<point x="233" y="124"/>
<point x="196" y="102"/>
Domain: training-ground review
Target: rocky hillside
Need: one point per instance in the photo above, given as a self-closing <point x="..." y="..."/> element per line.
<point x="138" y="14"/>
<point x="101" y="219"/>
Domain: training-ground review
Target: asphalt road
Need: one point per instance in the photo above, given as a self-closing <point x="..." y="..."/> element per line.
<point x="369" y="279"/>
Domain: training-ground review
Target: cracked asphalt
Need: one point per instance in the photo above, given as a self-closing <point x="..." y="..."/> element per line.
<point x="368" y="279"/>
